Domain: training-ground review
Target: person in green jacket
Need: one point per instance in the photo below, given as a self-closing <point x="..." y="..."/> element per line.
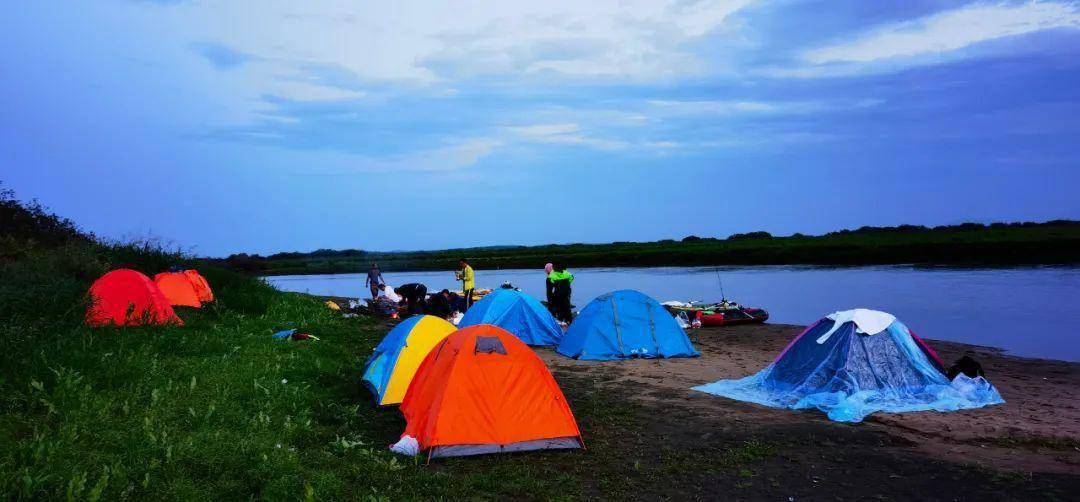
<point x="561" y="291"/>
<point x="468" y="281"/>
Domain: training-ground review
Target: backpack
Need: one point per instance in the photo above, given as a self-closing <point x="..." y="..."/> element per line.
<point x="967" y="366"/>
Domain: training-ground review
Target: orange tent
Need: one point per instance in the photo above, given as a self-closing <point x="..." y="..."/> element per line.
<point x="128" y="298"/>
<point x="202" y="287"/>
<point x="178" y="289"/>
<point x="482" y="390"/>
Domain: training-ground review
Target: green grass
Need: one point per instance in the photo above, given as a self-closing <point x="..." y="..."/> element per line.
<point x="218" y="409"/>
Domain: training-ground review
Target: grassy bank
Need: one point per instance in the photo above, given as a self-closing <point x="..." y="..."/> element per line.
<point x="217" y="409"/>
<point x="1056" y="242"/>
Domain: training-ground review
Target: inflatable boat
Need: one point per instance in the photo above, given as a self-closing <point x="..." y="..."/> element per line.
<point x="718" y="314"/>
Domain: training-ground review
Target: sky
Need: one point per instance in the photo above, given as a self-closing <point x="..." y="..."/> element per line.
<point x="263" y="126"/>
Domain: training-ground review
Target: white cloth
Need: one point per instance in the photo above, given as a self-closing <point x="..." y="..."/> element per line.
<point x="870" y="322"/>
<point x="407" y="445"/>
<point x="456" y="318"/>
<point x="389" y="293"/>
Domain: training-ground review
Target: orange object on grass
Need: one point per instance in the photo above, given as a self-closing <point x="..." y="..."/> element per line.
<point x="128" y="298"/>
<point x="482" y="390"/>
<point x="178" y="289"/>
<point x="202" y="287"/>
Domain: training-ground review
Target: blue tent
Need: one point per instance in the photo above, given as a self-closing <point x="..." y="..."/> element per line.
<point x="395" y="360"/>
<point x="853" y="363"/>
<point x="518" y="313"/>
<point x="625" y="324"/>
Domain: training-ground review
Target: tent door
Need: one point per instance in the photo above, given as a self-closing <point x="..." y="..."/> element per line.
<point x="615" y="319"/>
<point x="652" y="328"/>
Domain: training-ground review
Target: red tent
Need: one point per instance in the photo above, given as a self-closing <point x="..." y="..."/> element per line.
<point x="202" y="287"/>
<point x="482" y="390"/>
<point x="128" y="298"/>
<point x="178" y="289"/>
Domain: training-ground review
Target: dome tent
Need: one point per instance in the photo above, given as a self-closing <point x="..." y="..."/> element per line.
<point x="393" y="364"/>
<point x="126" y="297"/>
<point x="201" y="285"/>
<point x="625" y="324"/>
<point x="853" y="363"/>
<point x="178" y="289"/>
<point x="520" y="314"/>
<point x="482" y="390"/>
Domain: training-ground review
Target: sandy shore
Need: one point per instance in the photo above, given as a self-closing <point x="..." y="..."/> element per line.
<point x="1036" y="430"/>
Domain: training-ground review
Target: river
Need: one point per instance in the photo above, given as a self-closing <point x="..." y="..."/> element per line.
<point x="1029" y="312"/>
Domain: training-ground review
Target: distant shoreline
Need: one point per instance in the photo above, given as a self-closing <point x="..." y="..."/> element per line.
<point x="967" y="245"/>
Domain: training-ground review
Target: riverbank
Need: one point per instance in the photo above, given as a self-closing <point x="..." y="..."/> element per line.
<point x="969" y="244"/>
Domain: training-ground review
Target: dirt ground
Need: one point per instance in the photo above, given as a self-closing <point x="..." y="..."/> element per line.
<point x="1028" y="448"/>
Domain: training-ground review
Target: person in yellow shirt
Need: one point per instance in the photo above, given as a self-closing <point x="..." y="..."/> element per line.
<point x="468" y="281"/>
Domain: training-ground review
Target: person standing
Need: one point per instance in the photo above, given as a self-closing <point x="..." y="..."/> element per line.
<point x="561" y="281"/>
<point x="549" y="288"/>
<point x="374" y="280"/>
<point x="468" y="281"/>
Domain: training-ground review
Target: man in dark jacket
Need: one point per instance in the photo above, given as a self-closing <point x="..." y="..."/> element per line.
<point x="414" y="296"/>
<point x="561" y="291"/>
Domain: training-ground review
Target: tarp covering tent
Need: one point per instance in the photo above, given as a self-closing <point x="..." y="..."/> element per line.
<point x="516" y="312"/>
<point x="392" y="365"/>
<point x="625" y="324"/>
<point x="854" y="363"/>
<point x="126" y="297"/>
<point x="201" y="285"/>
<point x="482" y="390"/>
<point x="178" y="289"/>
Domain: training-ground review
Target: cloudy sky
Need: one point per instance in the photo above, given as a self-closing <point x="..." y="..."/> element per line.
<point x="262" y="126"/>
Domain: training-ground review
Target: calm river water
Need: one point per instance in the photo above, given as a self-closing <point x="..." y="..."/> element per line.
<point x="1028" y="311"/>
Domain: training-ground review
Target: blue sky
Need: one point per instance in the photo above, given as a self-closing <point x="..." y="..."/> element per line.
<point x="264" y="126"/>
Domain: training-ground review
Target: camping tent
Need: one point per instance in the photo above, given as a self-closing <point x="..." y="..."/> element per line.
<point x="391" y="367"/>
<point x="128" y="298"/>
<point x="201" y="285"/>
<point x="518" y="313"/>
<point x="178" y="289"/>
<point x="625" y="324"/>
<point x="853" y="363"/>
<point x="482" y="390"/>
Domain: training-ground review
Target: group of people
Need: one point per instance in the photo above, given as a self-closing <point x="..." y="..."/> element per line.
<point x="414" y="296"/>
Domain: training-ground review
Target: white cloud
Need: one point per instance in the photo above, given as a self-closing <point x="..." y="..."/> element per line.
<point x="562" y="134"/>
<point x="734" y="107"/>
<point x="949" y="31"/>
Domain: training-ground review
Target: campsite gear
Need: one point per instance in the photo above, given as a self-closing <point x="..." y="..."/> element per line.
<point x="625" y="324"/>
<point x="482" y="390"/>
<point x="281" y="335"/>
<point x="303" y="336"/>
<point x="201" y="285"/>
<point x="332" y="305"/>
<point x="853" y="363"/>
<point x="966" y="365"/>
<point x="392" y="365"/>
<point x="178" y="289"/>
<point x="516" y="312"/>
<point x="125" y="297"/>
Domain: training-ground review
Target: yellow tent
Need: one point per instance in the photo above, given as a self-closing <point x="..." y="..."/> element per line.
<point x="391" y="367"/>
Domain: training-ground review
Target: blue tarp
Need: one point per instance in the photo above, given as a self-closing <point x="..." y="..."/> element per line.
<point x="850" y="375"/>
<point x="625" y="324"/>
<point x="518" y="313"/>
